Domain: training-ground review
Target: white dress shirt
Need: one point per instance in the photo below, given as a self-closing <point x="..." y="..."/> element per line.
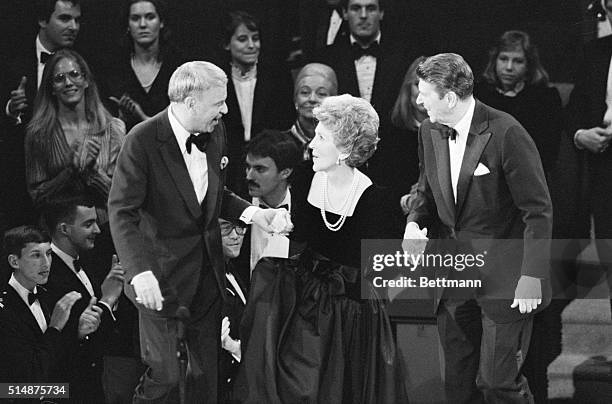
<point x="456" y="147"/>
<point x="607" y="119"/>
<point x="196" y="162"/>
<point x="335" y="21"/>
<point x="260" y="239"/>
<point x="244" y="84"/>
<point x="34" y="307"/>
<point x="41" y="66"/>
<point x="365" y="67"/>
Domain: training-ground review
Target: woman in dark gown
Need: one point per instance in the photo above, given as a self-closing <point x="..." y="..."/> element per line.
<point x="309" y="335"/>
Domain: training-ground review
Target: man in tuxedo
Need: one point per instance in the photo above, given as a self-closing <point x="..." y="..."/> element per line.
<point x="271" y="158"/>
<point x="321" y="24"/>
<point x="59" y="23"/>
<point x="165" y="200"/>
<point x="30" y="342"/>
<point x="371" y="67"/>
<point x="72" y="222"/>
<point x="590" y="124"/>
<point x="481" y="178"/>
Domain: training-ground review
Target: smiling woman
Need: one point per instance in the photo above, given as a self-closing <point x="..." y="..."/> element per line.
<point x="71" y="136"/>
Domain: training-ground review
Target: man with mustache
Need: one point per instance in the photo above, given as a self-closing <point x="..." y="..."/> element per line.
<point x="271" y="158"/>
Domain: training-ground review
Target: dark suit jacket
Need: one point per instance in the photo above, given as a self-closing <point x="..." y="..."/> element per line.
<point x="391" y="66"/>
<point x="156" y="221"/>
<point x="272" y="109"/>
<point x="314" y="16"/>
<point x="82" y="364"/>
<point x="28" y="354"/>
<point x="510" y="202"/>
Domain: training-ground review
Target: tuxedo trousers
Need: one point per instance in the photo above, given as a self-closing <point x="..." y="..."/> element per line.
<point x="158" y="346"/>
<point x="483" y="359"/>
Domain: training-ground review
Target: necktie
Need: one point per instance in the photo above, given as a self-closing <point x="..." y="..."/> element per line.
<point x="200" y="141"/>
<point x="32" y="297"/>
<point x="44" y="56"/>
<point x="372" y="50"/>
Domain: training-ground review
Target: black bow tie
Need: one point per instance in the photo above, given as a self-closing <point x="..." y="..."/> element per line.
<point x="200" y="141"/>
<point x="44" y="56"/>
<point x="285" y="206"/>
<point x="447" y="132"/>
<point x="372" y="50"/>
<point x="32" y="297"/>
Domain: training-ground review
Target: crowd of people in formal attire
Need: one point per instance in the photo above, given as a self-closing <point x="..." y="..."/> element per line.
<point x="190" y="231"/>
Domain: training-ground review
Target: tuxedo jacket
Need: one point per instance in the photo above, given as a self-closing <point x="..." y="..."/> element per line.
<point x="28" y="354"/>
<point x="156" y="221"/>
<point x="81" y="358"/>
<point x="510" y="202"/>
<point x="272" y="109"/>
<point x="391" y="65"/>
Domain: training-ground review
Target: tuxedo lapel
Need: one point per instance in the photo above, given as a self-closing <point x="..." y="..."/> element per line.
<point x="172" y="158"/>
<point x="476" y="142"/>
<point x="65" y="278"/>
<point x="22" y="310"/>
<point x="440" y="146"/>
<point x="213" y="159"/>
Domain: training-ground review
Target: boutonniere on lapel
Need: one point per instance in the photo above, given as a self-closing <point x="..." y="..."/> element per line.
<point x="224" y="162"/>
<point x="2" y="300"/>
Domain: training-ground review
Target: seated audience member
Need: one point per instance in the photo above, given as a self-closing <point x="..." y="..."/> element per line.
<point x="258" y="93"/>
<point x="30" y="342"/>
<point x="271" y="159"/>
<point x="138" y="82"/>
<point x="72" y="223"/>
<point x="232" y="235"/>
<point x="313" y="84"/>
<point x="406" y="118"/>
<point x="515" y="82"/>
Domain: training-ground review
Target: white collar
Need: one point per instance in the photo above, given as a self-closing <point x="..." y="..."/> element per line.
<point x="286" y="201"/>
<point x="179" y="130"/>
<point x="250" y="74"/>
<point x="20" y="289"/>
<point x="377" y="39"/>
<point x="40" y="48"/>
<point x="67" y="258"/>
<point x="463" y="126"/>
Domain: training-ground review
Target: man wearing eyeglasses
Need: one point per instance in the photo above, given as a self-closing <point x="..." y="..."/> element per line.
<point x="59" y="24"/>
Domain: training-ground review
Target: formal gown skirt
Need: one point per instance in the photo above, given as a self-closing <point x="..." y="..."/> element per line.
<point x="308" y="337"/>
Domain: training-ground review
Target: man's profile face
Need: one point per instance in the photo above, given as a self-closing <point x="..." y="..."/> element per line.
<point x="437" y="108"/>
<point x="83" y="231"/>
<point x="31" y="268"/>
<point x="208" y="109"/>
<point x="63" y="26"/>
<point x="263" y="176"/>
<point x="364" y="18"/>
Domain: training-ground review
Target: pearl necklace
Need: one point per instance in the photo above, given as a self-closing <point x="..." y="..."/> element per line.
<point x="345" y="206"/>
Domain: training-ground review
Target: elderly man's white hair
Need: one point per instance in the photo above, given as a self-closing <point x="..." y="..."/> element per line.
<point x="192" y="77"/>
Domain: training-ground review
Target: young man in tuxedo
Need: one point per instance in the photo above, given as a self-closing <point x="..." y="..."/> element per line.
<point x="30" y="341"/>
<point x="72" y="222"/>
<point x="481" y="178"/>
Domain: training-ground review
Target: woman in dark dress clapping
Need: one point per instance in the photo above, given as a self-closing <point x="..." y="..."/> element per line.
<point x="309" y="335"/>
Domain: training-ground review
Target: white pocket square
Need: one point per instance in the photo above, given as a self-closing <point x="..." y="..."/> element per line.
<point x="481" y="170"/>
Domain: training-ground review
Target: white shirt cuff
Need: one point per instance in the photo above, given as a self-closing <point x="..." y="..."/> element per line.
<point x="247" y="215"/>
<point x="578" y="146"/>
